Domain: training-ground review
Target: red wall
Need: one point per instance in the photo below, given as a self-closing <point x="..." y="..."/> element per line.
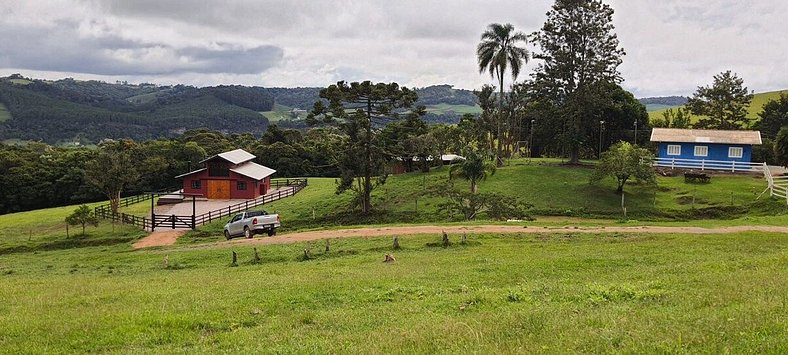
<point x="252" y="186"/>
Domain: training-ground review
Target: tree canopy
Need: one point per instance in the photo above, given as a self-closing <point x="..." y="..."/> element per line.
<point x="578" y="51"/>
<point x="773" y="117"/>
<point x="359" y="109"/>
<point x="723" y="105"/>
<point x="624" y="161"/>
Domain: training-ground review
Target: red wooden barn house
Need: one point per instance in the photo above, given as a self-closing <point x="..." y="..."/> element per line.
<point x="229" y="175"/>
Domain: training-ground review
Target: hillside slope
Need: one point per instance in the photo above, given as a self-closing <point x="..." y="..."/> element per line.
<point x="758" y="101"/>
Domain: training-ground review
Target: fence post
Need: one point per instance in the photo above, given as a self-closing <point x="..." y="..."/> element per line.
<point x="172" y="220"/>
<point x="209" y="217"/>
<point x="702" y="164"/>
<point x="672" y="163"/>
<point x="733" y="166"/>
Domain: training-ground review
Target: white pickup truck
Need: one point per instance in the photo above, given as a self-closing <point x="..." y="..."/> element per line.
<point x="249" y="223"/>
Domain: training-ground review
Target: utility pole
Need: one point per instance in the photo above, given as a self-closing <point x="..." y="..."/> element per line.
<point x="636" y="131"/>
<point x="601" y="127"/>
<point x="531" y="142"/>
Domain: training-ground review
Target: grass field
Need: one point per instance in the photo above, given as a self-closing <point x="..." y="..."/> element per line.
<point x="280" y="113"/>
<point x="20" y="81"/>
<point x="509" y="294"/>
<point x="756" y="106"/>
<point x="456" y="109"/>
<point x="5" y="115"/>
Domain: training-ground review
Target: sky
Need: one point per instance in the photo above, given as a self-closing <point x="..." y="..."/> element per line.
<point x="672" y="46"/>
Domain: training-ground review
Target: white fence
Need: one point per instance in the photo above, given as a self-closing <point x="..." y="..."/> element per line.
<point x="701" y="164"/>
<point x="778" y="185"/>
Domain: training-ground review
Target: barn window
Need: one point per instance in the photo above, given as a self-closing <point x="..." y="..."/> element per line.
<point x="735" y="152"/>
<point x="674" y="149"/>
<point x="196" y="184"/>
<point x="701" y="151"/>
<point x="218" y="169"/>
<point x="241" y="185"/>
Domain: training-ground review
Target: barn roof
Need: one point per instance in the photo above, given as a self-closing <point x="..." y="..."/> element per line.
<point x="189" y="173"/>
<point x="253" y="170"/>
<point x="680" y="135"/>
<point x="237" y="156"/>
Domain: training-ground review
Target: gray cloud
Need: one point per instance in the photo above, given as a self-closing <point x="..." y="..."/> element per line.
<point x="672" y="46"/>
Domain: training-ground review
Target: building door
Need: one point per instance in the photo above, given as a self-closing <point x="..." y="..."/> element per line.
<point x="219" y="189"/>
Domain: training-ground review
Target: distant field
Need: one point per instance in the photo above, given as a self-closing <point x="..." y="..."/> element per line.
<point x="457" y="109"/>
<point x="142" y="99"/>
<point x="5" y="115"/>
<point x="280" y="113"/>
<point x="21" y="81"/>
<point x="755" y="108"/>
<point x="657" y="107"/>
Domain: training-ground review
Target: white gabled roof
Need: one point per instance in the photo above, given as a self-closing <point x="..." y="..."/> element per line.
<point x="253" y="170"/>
<point x="237" y="156"/>
<point x="681" y="135"/>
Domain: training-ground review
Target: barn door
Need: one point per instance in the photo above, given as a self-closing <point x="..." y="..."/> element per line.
<point x="219" y="189"/>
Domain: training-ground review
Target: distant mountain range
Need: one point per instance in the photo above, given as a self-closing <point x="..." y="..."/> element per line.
<point x="69" y="111"/>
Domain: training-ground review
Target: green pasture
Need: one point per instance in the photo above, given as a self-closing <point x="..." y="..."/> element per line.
<point x="456" y="109"/>
<point x="552" y="293"/>
<point x="756" y="106"/>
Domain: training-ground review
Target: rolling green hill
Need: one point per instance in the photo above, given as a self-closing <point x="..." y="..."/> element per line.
<point x="755" y="108"/>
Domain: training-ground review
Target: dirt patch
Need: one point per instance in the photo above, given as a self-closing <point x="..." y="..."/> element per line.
<point x="160" y="238"/>
<point x="409" y="230"/>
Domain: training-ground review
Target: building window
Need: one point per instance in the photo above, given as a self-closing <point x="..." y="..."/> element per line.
<point x="196" y="184"/>
<point x="674" y="149"/>
<point x="735" y="152"/>
<point x="218" y="169"/>
<point x="701" y="151"/>
<point x="241" y="185"/>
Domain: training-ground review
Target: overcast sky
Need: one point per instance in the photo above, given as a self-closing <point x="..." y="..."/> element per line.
<point x="672" y="45"/>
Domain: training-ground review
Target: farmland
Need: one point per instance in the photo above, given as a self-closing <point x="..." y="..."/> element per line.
<point x="513" y="292"/>
<point x="756" y="106"/>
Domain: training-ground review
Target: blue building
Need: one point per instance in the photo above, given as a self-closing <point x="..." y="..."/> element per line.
<point x="705" y="149"/>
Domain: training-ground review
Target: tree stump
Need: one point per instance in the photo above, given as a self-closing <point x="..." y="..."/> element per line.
<point x="389" y="259"/>
<point x="396" y="243"/>
<point x="235" y="259"/>
<point x="464" y="238"/>
<point x="445" y="240"/>
<point x="328" y="245"/>
<point x="166" y="261"/>
<point x="307" y="254"/>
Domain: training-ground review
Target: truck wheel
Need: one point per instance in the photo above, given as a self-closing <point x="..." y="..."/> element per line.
<point x="271" y="232"/>
<point x="227" y="235"/>
<point x="248" y="233"/>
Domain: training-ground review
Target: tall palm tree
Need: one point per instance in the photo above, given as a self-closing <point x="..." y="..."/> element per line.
<point x="498" y="52"/>
<point x="474" y="168"/>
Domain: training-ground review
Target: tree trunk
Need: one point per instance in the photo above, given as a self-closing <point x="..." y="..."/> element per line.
<point x="366" y="203"/>
<point x="114" y="201"/>
<point x="498" y="159"/>
<point x="474" y="187"/>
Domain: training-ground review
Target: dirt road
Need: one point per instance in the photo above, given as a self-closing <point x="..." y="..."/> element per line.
<point x="407" y="230"/>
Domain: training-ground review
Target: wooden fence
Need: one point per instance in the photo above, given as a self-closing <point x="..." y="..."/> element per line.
<point x="287" y="187"/>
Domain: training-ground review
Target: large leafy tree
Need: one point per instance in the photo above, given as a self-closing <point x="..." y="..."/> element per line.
<point x="358" y="109"/>
<point x="578" y="50"/>
<point x="112" y="170"/>
<point x="723" y="105"/>
<point x="774" y="116"/>
<point x="781" y="147"/>
<point x="499" y="51"/>
<point x="624" y="161"/>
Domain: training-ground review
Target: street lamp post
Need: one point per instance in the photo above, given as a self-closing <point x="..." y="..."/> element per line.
<point x="601" y="127"/>
<point x="531" y="142"/>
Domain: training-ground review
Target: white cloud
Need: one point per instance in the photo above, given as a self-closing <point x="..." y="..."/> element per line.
<point x="672" y="46"/>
